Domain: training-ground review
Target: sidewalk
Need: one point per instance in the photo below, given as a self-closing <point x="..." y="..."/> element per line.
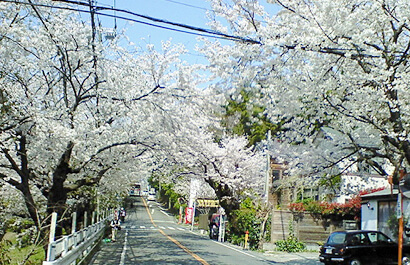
<point x="286" y="257"/>
<point x="311" y="256"/>
<point x="307" y="257"/>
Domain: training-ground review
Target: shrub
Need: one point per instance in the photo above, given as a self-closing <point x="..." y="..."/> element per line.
<point x="4" y="252"/>
<point x="291" y="243"/>
<point x="297" y="207"/>
<point x="242" y="220"/>
<point x="348" y="210"/>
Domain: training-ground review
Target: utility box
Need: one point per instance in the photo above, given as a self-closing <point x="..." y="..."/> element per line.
<point x="203" y="222"/>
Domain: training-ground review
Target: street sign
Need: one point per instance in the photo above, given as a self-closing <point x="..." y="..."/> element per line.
<point x="399" y="211"/>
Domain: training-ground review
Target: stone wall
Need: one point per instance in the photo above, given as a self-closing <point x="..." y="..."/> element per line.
<point x="307" y="228"/>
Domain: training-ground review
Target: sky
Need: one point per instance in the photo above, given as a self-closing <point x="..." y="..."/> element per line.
<point x="190" y="12"/>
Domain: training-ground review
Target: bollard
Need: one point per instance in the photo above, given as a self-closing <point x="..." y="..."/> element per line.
<point x="246" y="239"/>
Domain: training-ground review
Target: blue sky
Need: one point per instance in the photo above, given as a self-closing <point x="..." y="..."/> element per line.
<point x="190" y="12"/>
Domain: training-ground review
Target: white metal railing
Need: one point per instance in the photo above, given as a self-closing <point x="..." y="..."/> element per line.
<point x="68" y="249"/>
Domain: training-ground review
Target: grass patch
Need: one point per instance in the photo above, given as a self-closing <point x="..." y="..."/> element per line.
<point x="18" y="255"/>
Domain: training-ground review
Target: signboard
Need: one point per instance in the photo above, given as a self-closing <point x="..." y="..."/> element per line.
<point x="206" y="203"/>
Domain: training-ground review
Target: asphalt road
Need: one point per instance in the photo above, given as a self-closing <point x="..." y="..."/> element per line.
<point x="150" y="236"/>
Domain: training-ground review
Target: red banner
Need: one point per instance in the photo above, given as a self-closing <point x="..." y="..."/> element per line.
<point x="188" y="215"/>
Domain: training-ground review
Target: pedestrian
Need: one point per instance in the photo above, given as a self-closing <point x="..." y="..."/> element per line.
<point x="117" y="214"/>
<point x="123" y="213"/>
<point x="115" y="226"/>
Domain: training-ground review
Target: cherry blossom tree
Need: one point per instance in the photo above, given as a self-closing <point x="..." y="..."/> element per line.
<point x="335" y="72"/>
<point x="79" y="110"/>
<point x="81" y="113"/>
<point x="231" y="168"/>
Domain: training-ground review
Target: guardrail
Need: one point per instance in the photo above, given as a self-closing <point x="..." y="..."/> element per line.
<point x="68" y="249"/>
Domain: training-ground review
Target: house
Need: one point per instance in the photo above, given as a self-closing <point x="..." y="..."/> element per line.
<point x="353" y="183"/>
<point x="379" y="212"/>
<point x="284" y="190"/>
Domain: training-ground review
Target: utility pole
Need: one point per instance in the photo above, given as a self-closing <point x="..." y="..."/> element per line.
<point x="93" y="46"/>
<point x="268" y="169"/>
<point x="400" y="216"/>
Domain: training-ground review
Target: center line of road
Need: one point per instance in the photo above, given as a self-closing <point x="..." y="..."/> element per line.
<point x="176" y="242"/>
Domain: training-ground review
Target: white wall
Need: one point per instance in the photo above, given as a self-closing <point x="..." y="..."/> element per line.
<point x="369" y="216"/>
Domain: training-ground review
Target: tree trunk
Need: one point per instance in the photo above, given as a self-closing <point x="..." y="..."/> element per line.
<point x="263" y="228"/>
<point x="224" y="195"/>
<point x="57" y="195"/>
<point x="31" y="205"/>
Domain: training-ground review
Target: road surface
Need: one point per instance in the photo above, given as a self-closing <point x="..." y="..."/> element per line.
<point x="150" y="236"/>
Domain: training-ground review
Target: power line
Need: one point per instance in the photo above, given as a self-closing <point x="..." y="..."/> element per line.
<point x="97" y="8"/>
<point x="206" y="9"/>
<point x="184" y="4"/>
<point x="208" y="31"/>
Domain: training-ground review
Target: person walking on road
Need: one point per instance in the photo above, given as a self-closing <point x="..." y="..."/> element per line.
<point x="123" y="213"/>
<point x="115" y="226"/>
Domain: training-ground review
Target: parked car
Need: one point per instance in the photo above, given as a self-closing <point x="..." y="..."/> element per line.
<point x="361" y="247"/>
<point x="151" y="196"/>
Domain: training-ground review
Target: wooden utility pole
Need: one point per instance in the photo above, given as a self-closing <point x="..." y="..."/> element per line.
<point x="400" y="217"/>
<point x="400" y="209"/>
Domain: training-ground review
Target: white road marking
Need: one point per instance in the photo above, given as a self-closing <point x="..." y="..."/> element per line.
<point x="124" y="249"/>
<point x="143" y="227"/>
<point x="162" y="221"/>
<point x="162" y="211"/>
<point x="171" y="228"/>
<point x="240" y="251"/>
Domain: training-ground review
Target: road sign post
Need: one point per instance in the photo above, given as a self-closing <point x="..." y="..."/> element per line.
<point x="400" y="217"/>
<point x="400" y="214"/>
<point x="193" y="217"/>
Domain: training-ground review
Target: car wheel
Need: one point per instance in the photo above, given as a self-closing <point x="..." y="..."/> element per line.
<point x="406" y="260"/>
<point x="354" y="262"/>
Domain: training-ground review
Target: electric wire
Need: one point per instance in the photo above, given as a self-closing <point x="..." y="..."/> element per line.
<point x="98" y="11"/>
<point x="184" y="4"/>
<point x="206" y="9"/>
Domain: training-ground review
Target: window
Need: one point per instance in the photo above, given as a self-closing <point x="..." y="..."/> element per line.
<point x="358" y="239"/>
<point x="336" y="239"/>
<point x="386" y="211"/>
<point x="378" y="238"/>
<point x="276" y="174"/>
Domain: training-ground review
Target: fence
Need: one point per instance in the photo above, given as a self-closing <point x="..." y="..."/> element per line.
<point x="71" y="248"/>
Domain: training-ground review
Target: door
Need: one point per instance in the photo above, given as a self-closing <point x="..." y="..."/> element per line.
<point x="386" y="250"/>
